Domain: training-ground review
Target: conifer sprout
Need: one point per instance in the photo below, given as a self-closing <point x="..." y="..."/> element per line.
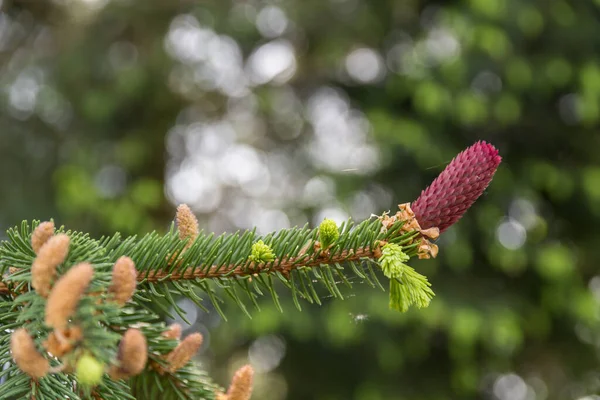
<point x="124" y="280"/>
<point x="187" y="228"/>
<point x="407" y="287"/>
<point x="241" y="384"/>
<point x="59" y="344"/>
<point x="25" y="354"/>
<point x="187" y="223"/>
<point x="50" y="255"/>
<point x="66" y="294"/>
<point x="261" y="252"/>
<point x="328" y="233"/>
<point x="173" y="332"/>
<point x="89" y="370"/>
<point x="41" y="234"/>
<point x="184" y="352"/>
<point x="132" y="357"/>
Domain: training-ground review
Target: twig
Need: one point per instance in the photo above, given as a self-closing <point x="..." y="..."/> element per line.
<point x="284" y="266"/>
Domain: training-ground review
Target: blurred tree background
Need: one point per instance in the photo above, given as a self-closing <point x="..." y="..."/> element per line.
<point x="276" y="113"/>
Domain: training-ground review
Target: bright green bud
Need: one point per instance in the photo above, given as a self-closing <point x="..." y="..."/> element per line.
<point x="261" y="252"/>
<point x="392" y="260"/>
<point x="328" y="233"/>
<point x="89" y="370"/>
<point x="407" y="286"/>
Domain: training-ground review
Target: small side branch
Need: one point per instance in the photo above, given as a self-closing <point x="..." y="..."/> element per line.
<point x="284" y="266"/>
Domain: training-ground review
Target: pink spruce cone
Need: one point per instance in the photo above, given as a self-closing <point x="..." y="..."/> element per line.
<point x="455" y="190"/>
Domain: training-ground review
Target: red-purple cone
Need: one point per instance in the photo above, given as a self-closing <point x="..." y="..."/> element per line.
<point x="455" y="190"/>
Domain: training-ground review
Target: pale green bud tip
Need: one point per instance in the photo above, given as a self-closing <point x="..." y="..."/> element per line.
<point x="328" y="232"/>
<point x="398" y="297"/>
<point x="407" y="286"/>
<point x="392" y="250"/>
<point x="261" y="252"/>
<point x="89" y="370"/>
<point x="392" y="260"/>
<point x="404" y="293"/>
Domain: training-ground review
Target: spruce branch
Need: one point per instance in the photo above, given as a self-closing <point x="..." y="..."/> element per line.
<point x="81" y="316"/>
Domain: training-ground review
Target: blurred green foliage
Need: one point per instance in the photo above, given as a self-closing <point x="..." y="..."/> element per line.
<point x="93" y="97"/>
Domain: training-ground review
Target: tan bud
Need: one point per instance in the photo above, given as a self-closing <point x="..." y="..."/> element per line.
<point x="407" y="215"/>
<point x="431" y="233"/>
<point x="221" y="396"/>
<point x="427" y="250"/>
<point x="25" y="354"/>
<point x="66" y="294"/>
<point x="133" y="355"/>
<point x="60" y="343"/>
<point x="434" y="250"/>
<point x="241" y="384"/>
<point x="411" y="225"/>
<point x="184" y="352"/>
<point x="55" y="346"/>
<point x="173" y="332"/>
<point x="423" y="251"/>
<point x="41" y="234"/>
<point x="387" y="221"/>
<point x="406" y="210"/>
<point x="50" y="255"/>
<point x="187" y="224"/>
<point x="188" y="228"/>
<point x="124" y="280"/>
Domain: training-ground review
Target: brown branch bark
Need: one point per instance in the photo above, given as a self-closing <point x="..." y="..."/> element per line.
<point x="284" y="266"/>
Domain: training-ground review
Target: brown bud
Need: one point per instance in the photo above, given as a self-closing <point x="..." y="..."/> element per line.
<point x="411" y="225"/>
<point x="241" y="384"/>
<point x="184" y="352"/>
<point x="408" y="216"/>
<point x="387" y="221"/>
<point x="173" y="332"/>
<point x="187" y="224"/>
<point x="405" y="212"/>
<point x="41" y="234"/>
<point x="124" y="280"/>
<point x="431" y="233"/>
<point x="50" y="255"/>
<point x="56" y="346"/>
<point x="25" y="354"/>
<point x="221" y="396"/>
<point x="61" y="342"/>
<point x="66" y="294"/>
<point x="133" y="355"/>
<point x="427" y="250"/>
<point x="434" y="250"/>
